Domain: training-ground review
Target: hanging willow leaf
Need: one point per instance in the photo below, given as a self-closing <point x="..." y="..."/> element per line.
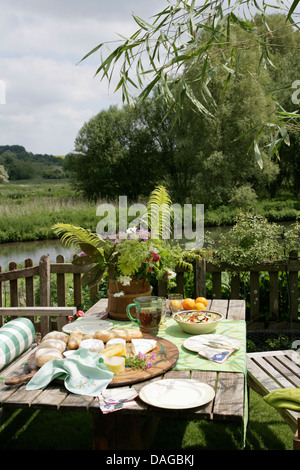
<point x="258" y="154"/>
<point x="163" y="52"/>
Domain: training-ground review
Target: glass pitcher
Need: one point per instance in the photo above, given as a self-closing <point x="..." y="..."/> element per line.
<point x="148" y="312"/>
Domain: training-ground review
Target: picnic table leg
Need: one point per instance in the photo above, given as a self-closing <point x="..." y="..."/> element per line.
<point x="115" y="431"/>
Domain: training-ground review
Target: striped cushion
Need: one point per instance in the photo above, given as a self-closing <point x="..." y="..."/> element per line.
<point x="15" y="337"/>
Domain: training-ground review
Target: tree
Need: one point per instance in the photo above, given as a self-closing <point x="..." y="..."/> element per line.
<point x="114" y="155"/>
<point x="3" y="175"/>
<point x="174" y="43"/>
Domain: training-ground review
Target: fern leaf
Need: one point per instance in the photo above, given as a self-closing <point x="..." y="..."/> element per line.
<point x="74" y="236"/>
<point x="158" y="216"/>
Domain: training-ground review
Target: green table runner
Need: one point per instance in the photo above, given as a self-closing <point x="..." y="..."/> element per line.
<point x="189" y="360"/>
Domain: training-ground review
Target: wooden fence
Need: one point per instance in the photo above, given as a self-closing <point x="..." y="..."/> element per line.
<point x="43" y="272"/>
<point x="201" y="272"/>
<point x="290" y="267"/>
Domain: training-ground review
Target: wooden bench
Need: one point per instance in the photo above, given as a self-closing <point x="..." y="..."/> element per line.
<point x="273" y="370"/>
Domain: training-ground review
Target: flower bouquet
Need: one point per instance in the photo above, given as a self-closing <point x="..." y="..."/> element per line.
<point x="126" y="258"/>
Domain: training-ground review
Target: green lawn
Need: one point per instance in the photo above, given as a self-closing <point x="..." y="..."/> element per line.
<point x="38" y="430"/>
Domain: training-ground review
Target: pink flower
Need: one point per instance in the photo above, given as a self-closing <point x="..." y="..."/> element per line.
<point x="80" y="313"/>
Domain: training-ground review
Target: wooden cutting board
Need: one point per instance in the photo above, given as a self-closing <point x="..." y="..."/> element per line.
<point x="166" y="355"/>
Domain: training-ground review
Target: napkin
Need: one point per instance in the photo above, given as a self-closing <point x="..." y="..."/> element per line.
<point x="284" y="398"/>
<point x="117" y="399"/>
<point x="84" y="373"/>
<point x="215" y="354"/>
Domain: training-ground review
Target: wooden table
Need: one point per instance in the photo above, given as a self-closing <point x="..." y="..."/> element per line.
<point x="111" y="430"/>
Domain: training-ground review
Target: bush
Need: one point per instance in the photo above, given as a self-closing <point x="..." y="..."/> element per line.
<point x="243" y="195"/>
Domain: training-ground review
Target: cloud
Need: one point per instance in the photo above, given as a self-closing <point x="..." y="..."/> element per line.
<point x="47" y="102"/>
<point x="49" y="95"/>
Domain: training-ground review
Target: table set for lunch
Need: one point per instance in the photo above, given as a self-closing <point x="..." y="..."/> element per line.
<point x="122" y="370"/>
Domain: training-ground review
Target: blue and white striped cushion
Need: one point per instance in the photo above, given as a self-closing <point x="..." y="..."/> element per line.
<point x="15" y="337"/>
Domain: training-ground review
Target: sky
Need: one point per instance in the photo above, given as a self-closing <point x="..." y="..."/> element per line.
<point x="46" y="95"/>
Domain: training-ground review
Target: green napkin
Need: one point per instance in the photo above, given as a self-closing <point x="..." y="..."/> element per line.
<point x="284" y="398"/>
<point x="83" y="372"/>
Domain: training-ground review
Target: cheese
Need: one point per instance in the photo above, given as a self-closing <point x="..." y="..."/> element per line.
<point x="114" y="350"/>
<point x="94" y="345"/>
<point x="115" y="364"/>
<point x="143" y="346"/>
<point x="115" y="341"/>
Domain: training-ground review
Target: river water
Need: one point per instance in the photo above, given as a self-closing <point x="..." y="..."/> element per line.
<point x="19" y="251"/>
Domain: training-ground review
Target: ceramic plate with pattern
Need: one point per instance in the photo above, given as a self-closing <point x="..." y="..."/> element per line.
<point x="177" y="393"/>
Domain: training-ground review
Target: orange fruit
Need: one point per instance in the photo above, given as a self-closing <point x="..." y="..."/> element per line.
<point x="175" y="305"/>
<point x="202" y="300"/>
<point x="188" y="304"/>
<point x="199" y="306"/>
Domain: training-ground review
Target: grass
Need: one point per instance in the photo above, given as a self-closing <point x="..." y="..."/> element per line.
<point x="57" y="201"/>
<point x="26" y="429"/>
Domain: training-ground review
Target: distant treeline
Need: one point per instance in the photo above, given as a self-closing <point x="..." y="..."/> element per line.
<point x="21" y="164"/>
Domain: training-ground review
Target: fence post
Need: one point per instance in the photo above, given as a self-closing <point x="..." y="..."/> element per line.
<point x="13" y="284"/>
<point x="61" y="284"/>
<point x="274" y="294"/>
<point x="29" y="288"/>
<point x="44" y="266"/>
<point x="1" y="291"/>
<point x="293" y="285"/>
<point x="254" y="295"/>
<point x="199" y="278"/>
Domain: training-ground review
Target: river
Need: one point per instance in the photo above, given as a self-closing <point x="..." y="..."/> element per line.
<point x="19" y="251"/>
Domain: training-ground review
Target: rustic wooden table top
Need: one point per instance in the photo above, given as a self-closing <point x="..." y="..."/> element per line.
<point x="229" y="387"/>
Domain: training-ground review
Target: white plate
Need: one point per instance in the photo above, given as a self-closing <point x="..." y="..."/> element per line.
<point x="196" y="343"/>
<point x="87" y="326"/>
<point x="177" y="393"/>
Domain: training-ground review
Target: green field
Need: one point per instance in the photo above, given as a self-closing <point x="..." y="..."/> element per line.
<point x="29" y="209"/>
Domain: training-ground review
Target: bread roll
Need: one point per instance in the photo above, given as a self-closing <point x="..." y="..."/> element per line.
<point x="87" y="336"/>
<point x="104" y="335"/>
<point x="127" y="334"/>
<point x="57" y="335"/>
<point x="74" y="339"/>
<point x="53" y="343"/>
<point x="44" y="355"/>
